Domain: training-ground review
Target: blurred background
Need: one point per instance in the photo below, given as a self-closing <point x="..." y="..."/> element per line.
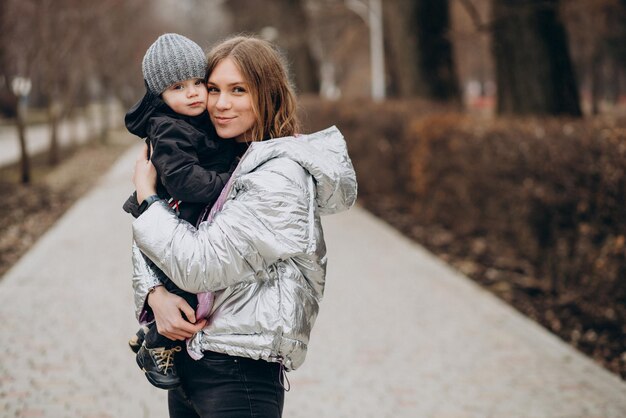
<point x="535" y="56"/>
<point x="491" y="131"/>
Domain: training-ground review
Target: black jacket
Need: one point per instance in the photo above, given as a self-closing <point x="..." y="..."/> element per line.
<point x="192" y="162"/>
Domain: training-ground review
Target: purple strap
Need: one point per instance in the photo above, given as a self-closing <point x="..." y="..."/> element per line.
<point x="205" y="300"/>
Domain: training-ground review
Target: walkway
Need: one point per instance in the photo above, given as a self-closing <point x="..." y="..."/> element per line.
<point x="399" y="335"/>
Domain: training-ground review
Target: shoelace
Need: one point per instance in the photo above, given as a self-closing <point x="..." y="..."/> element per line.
<point x="165" y="358"/>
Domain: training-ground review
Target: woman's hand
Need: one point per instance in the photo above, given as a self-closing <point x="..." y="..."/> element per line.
<point x="168" y="312"/>
<point x="144" y="176"/>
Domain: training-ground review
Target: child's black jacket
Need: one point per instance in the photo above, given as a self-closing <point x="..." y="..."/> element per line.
<point x="192" y="162"/>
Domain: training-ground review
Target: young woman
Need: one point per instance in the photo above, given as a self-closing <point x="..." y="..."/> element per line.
<point x="261" y="251"/>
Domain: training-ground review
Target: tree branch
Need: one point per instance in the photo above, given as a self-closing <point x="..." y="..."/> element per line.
<point x="472" y="11"/>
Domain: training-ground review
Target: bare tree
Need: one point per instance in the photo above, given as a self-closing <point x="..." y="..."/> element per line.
<point x="338" y="42"/>
<point x="8" y="102"/>
<point x="286" y="23"/>
<point x="204" y="21"/>
<point x="597" y="31"/>
<point x="420" y="54"/>
<point x="534" y="73"/>
<point x="58" y="33"/>
<point x="16" y="59"/>
<point x="472" y="47"/>
<point x="119" y="32"/>
<point x="72" y="51"/>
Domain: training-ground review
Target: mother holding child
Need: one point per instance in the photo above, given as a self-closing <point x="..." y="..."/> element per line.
<point x="256" y="259"/>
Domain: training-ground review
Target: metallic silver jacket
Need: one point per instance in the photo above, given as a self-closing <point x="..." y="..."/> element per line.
<point x="263" y="254"/>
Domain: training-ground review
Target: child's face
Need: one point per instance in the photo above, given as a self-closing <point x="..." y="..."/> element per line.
<point x="186" y="97"/>
<point x="230" y="102"/>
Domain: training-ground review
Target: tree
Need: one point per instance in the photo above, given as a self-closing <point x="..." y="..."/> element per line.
<point x="16" y="60"/>
<point x="290" y="20"/>
<point x="114" y="64"/>
<point x="597" y="31"/>
<point x="534" y="73"/>
<point x="420" y="58"/>
<point x="65" y="48"/>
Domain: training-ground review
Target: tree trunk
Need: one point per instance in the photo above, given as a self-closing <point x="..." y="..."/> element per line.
<point x="73" y="127"/>
<point x="21" y="134"/>
<point x="304" y="67"/>
<point x="595" y="85"/>
<point x="435" y="59"/>
<point x="612" y="91"/>
<point x="419" y="50"/>
<point x="401" y="52"/>
<point x="534" y="72"/>
<point x="290" y="19"/>
<point x="53" y="123"/>
<point x="105" y="115"/>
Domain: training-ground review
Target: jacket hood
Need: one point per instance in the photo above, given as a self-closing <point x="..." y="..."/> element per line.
<point x="323" y="154"/>
<point x="137" y="117"/>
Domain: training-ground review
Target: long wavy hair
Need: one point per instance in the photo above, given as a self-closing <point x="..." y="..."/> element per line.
<point x="264" y="70"/>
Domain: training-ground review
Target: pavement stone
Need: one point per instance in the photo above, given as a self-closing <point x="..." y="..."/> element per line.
<point x="400" y="333"/>
<point x="66" y="314"/>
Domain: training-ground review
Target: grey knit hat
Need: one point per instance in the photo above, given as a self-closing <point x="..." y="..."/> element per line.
<point x="170" y="59"/>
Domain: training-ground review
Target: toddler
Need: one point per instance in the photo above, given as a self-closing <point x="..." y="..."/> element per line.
<point x="192" y="162"/>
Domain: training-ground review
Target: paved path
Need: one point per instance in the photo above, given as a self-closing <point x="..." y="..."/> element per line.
<point x="399" y="334"/>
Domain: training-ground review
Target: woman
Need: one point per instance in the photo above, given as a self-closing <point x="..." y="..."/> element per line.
<point x="262" y="250"/>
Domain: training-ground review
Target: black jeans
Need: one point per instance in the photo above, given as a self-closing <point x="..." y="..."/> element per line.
<point x="223" y="386"/>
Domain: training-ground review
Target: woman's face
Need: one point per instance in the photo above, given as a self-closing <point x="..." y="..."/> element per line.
<point x="230" y="102"/>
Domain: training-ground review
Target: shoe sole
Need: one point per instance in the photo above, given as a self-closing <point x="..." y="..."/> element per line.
<point x="137" y="340"/>
<point x="152" y="381"/>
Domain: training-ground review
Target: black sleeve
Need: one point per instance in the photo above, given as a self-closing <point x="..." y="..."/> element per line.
<point x="132" y="205"/>
<point x="175" y="157"/>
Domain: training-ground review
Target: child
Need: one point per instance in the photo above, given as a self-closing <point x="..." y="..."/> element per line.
<point x="192" y="162"/>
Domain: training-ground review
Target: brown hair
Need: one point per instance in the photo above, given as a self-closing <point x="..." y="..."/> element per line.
<point x="264" y="70"/>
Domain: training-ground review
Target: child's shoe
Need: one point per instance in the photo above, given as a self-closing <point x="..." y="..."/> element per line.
<point x="137" y="340"/>
<point x="158" y="365"/>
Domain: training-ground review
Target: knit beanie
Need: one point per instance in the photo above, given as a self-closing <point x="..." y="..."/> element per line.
<point x="170" y="59"/>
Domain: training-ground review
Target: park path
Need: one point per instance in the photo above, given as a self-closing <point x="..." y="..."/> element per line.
<point x="400" y="334"/>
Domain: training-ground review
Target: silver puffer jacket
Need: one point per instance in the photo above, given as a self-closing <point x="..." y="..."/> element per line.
<point x="263" y="254"/>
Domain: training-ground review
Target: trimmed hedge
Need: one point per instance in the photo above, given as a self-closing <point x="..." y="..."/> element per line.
<point x="536" y="205"/>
